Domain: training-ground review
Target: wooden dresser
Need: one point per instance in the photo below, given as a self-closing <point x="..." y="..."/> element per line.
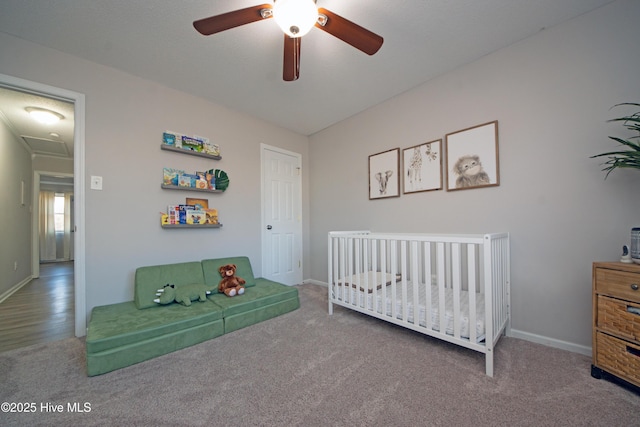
<point x="616" y="322"/>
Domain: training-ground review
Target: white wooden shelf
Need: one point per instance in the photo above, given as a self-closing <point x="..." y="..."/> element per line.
<point x="191" y="225"/>
<point x="177" y="187"/>
<point x="189" y="152"/>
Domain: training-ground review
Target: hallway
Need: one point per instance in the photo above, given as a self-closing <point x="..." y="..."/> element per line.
<point x="41" y="311"/>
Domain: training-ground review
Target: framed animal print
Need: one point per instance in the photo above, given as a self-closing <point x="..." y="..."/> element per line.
<point x="422" y="167"/>
<point x="384" y="178"/>
<point x="472" y="157"/>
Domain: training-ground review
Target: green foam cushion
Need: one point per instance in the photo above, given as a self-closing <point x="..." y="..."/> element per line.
<point x="151" y="278"/>
<point x="122" y="324"/>
<point x="264" y="293"/>
<point x="127" y="355"/>
<point x="212" y="275"/>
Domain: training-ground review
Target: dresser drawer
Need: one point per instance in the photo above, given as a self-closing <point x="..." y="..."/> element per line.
<point x="620" y="284"/>
<point x="618" y="357"/>
<point x="619" y="317"/>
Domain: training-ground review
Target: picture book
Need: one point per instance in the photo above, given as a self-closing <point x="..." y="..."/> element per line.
<point x="201" y="182"/>
<point x="192" y="144"/>
<point x="172" y="214"/>
<point x="169" y="138"/>
<point x="196" y="216"/>
<point x="200" y="204"/>
<point x="211" y="216"/>
<point x="182" y="213"/>
<point x="208" y="147"/>
<point x="187" y="180"/>
<point x="170" y="176"/>
<point x="211" y="181"/>
<point x="173" y="139"/>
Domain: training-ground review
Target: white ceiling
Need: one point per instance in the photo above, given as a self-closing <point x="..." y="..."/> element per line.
<point x="242" y="68"/>
<point x="48" y="140"/>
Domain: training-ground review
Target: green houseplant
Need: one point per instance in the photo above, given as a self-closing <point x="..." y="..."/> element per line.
<point x="628" y="157"/>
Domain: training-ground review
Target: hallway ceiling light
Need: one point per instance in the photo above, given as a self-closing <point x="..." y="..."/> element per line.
<point x="44" y="116"/>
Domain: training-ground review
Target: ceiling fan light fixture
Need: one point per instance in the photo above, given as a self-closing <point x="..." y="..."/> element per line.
<point x="295" y="17"/>
<point x="44" y="116"/>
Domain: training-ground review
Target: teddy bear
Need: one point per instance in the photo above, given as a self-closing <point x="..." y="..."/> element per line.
<point x="230" y="285"/>
<point x="182" y="294"/>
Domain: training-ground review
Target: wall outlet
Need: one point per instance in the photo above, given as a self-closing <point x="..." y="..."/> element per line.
<point x="15" y="265"/>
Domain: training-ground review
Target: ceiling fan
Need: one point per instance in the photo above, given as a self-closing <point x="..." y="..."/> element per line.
<point x="295" y="18"/>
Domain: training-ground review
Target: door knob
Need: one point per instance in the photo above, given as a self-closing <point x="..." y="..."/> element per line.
<point x="269" y="227"/>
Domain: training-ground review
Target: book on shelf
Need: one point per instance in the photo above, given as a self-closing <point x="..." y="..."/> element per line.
<point x="191" y="144"/>
<point x="172" y="214"/>
<point x="182" y="213"/>
<point x="187" y="180"/>
<point x="200" y="204"/>
<point x="207" y="146"/>
<point x="211" y="216"/>
<point x="201" y="181"/>
<point x="195" y="216"/>
<point x="170" y="176"/>
<point x="189" y="214"/>
<point x="172" y="139"/>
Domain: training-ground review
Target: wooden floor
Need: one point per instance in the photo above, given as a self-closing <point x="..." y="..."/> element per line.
<point x="41" y="311"/>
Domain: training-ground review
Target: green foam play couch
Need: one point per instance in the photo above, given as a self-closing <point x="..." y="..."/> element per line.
<point x="123" y="334"/>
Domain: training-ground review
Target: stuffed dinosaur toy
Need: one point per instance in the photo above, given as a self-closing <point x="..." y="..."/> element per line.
<point x="182" y="294"/>
<point x="230" y="285"/>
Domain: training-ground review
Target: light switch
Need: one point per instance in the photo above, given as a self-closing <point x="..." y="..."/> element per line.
<point x="96" y="182"/>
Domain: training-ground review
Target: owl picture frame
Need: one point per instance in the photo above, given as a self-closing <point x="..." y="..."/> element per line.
<point x="422" y="167"/>
<point x="472" y="157"/>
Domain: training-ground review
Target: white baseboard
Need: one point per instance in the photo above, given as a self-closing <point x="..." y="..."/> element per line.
<point x="314" y="282"/>
<point x="527" y="336"/>
<point x="15" y="289"/>
<point x="552" y="342"/>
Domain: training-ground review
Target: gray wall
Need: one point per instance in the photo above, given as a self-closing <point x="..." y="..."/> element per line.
<point x="125" y="118"/>
<point x="15" y="219"/>
<point x="551" y="94"/>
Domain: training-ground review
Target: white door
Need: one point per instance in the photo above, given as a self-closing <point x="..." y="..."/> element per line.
<point x="281" y="215"/>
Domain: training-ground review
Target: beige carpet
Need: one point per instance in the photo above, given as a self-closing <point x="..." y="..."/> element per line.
<point x="307" y="368"/>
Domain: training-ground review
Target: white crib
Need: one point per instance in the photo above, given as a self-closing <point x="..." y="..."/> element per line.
<point x="452" y="287"/>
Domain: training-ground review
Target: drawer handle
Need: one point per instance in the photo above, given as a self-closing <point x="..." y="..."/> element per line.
<point x="633" y="351"/>
<point x="633" y="310"/>
<point x="634" y="286"/>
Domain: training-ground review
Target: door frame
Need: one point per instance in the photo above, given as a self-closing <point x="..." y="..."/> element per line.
<point x="263" y="221"/>
<point x="78" y="100"/>
<point x="35" y="218"/>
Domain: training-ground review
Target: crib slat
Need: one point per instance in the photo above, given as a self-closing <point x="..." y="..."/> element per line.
<point x="429" y="282"/>
<point x="415" y="280"/>
<point x="330" y="273"/>
<point x="383" y="262"/>
<point x="343" y="265"/>
<point x="403" y="273"/>
<point x="472" y="289"/>
<point x="441" y="285"/>
<point x="456" y="266"/>
<point x="374" y="267"/>
<point x="362" y="271"/>
<point x="394" y="270"/>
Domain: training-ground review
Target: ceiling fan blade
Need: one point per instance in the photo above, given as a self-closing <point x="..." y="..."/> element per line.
<point x="291" y="66"/>
<point x="226" y="21"/>
<point x="349" y="32"/>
